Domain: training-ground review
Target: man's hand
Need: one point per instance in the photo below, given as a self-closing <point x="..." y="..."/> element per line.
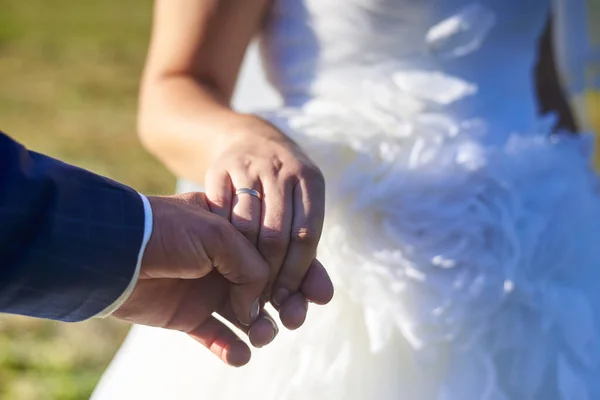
<point x="197" y="263"/>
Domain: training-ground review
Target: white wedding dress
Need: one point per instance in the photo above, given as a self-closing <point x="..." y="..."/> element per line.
<point x="463" y="238"/>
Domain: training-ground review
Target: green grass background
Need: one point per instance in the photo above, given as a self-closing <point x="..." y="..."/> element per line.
<point x="69" y="72"/>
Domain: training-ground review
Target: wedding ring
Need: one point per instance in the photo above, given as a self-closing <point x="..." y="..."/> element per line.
<point x="251" y="192"/>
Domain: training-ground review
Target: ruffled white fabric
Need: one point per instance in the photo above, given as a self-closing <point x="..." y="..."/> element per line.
<point x="484" y="256"/>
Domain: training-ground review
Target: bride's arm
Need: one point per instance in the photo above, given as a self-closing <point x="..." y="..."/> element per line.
<point x="195" y="55"/>
<point x="185" y="119"/>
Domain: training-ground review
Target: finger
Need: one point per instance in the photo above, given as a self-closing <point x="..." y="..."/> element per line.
<point x="238" y="261"/>
<point x="222" y="341"/>
<point x="261" y="333"/>
<point x="219" y="192"/>
<point x="293" y="311"/>
<point x="274" y="236"/>
<point x="179" y="304"/>
<point x="246" y="208"/>
<point x="307" y="223"/>
<point x="317" y="286"/>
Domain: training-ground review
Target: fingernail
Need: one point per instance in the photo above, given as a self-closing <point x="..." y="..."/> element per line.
<point x="255" y="310"/>
<point x="280" y="296"/>
<point x="275" y="328"/>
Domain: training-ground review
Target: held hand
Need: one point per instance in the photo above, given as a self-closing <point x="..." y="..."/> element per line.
<point x="271" y="192"/>
<point x="195" y="264"/>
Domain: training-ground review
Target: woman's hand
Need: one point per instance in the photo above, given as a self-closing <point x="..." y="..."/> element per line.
<point x="185" y="119"/>
<point x="282" y="215"/>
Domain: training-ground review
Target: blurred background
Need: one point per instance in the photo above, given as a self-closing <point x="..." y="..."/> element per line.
<point x="69" y="72"/>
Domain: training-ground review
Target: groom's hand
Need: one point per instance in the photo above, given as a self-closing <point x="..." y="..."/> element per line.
<point x="195" y="264"/>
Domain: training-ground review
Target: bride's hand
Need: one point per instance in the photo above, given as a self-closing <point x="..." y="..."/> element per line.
<point x="282" y="215"/>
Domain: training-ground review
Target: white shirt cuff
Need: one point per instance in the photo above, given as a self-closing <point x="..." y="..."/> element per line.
<point x="147" y="233"/>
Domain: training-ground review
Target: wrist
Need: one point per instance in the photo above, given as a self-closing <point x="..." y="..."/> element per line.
<point x="251" y="127"/>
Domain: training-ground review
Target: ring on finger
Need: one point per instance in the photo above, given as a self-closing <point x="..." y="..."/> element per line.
<point x="251" y="192"/>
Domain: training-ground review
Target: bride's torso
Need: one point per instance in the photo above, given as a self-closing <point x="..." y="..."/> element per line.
<point x="314" y="48"/>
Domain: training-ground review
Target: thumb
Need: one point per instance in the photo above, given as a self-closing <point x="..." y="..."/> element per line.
<point x="242" y="265"/>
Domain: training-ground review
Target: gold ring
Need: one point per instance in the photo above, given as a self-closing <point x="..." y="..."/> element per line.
<point x="251" y="192"/>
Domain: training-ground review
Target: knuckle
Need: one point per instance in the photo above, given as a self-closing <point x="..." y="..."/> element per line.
<point x="305" y="237"/>
<point x="273" y="241"/>
<point x="247" y="228"/>
<point x="245" y="163"/>
<point x="276" y="166"/>
<point x="270" y="167"/>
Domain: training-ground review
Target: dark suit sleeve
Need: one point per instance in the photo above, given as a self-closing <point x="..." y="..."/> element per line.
<point x="69" y="239"/>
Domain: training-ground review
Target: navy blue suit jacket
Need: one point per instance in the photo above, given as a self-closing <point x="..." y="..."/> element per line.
<point x="69" y="239"/>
